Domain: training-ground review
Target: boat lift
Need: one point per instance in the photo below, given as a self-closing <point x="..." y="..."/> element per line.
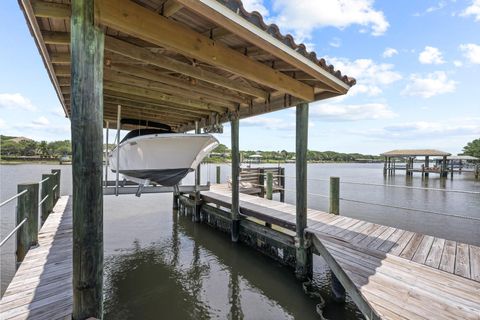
<point x="117" y="187"/>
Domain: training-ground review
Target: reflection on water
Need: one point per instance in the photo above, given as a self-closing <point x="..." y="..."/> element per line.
<point x="191" y="271"/>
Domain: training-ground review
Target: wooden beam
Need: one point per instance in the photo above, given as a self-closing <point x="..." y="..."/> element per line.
<point x="60" y="58"/>
<point x="62" y="70"/>
<point x="147" y="73"/>
<point x="148" y="93"/>
<point x="165" y="88"/>
<point x="52" y="37"/>
<point x="87" y="150"/>
<point x="217" y="33"/>
<point x="220" y="15"/>
<point x="139" y="113"/>
<point x="141" y="54"/>
<point x="141" y="102"/>
<point x="170" y="7"/>
<point x="135" y="20"/>
<point x="154" y="111"/>
<point x="44" y="9"/>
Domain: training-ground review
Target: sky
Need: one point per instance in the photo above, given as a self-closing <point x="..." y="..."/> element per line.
<point x="416" y="64"/>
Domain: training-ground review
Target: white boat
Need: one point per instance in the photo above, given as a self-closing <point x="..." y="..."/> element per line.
<point x="163" y="158"/>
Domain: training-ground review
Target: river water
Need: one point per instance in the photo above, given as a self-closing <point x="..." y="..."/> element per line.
<point x="158" y="264"/>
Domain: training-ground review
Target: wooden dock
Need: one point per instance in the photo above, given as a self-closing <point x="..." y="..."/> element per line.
<point x="42" y="286"/>
<point x="390" y="273"/>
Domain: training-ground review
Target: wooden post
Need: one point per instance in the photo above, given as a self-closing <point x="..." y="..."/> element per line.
<point x="234" y="124"/>
<point x="218" y="177"/>
<point x="451" y="169"/>
<point x="444" y="172"/>
<point x="51" y="193"/>
<point x="303" y="269"/>
<point x="334" y="207"/>
<point x="385" y="167"/>
<point x="196" y="215"/>
<point x="427" y="165"/>
<point x="57" y="173"/>
<point x="269" y="185"/>
<point x="46" y="187"/>
<point x="87" y="44"/>
<point x="282" y="184"/>
<point x="27" y="207"/>
<point x="261" y="181"/>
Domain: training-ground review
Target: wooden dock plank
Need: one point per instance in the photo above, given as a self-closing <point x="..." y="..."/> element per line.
<point x="392" y="273"/>
<point x="435" y="255"/>
<point x="447" y="263"/>
<point x="462" y="260"/>
<point x="42" y="286"/>
<point x="475" y="263"/>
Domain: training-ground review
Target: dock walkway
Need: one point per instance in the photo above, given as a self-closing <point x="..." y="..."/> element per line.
<point x="390" y="273"/>
<point x="42" y="286"/>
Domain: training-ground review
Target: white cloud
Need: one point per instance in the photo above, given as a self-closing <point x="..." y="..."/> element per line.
<point x="371" y="76"/>
<point x="3" y="124"/>
<point x="472" y="10"/>
<point x="41" y="121"/>
<point x="268" y="123"/>
<point x="457" y="63"/>
<point x="471" y="52"/>
<point x="432" y="84"/>
<point x="302" y="17"/>
<point x="389" y="52"/>
<point x="335" y="42"/>
<point x="352" y="112"/>
<point x="256" y="5"/>
<point x="15" y="101"/>
<point x="428" y="129"/>
<point x="440" y="5"/>
<point x="431" y="55"/>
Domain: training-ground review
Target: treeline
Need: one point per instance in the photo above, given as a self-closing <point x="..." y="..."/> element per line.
<point x="284" y="156"/>
<point x="24" y="147"/>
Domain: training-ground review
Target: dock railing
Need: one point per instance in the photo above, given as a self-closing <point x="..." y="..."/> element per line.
<point x="28" y="211"/>
<point x="335" y="198"/>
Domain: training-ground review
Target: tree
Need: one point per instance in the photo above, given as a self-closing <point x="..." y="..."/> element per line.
<point x="472" y="148"/>
<point x="43" y="148"/>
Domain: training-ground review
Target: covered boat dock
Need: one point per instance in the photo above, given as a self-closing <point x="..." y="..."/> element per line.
<point x="408" y="156"/>
<point x="189" y="64"/>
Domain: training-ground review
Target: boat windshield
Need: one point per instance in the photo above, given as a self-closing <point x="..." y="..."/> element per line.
<point x="142" y="132"/>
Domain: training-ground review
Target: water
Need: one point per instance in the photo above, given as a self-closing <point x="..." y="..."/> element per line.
<point x="159" y="264"/>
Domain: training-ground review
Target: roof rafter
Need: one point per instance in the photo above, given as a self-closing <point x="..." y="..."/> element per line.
<point x="135" y="20"/>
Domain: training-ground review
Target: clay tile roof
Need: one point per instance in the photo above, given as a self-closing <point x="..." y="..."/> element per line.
<point x="256" y="18"/>
<point x="415" y="152"/>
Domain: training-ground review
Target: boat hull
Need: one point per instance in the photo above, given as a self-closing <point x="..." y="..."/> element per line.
<point x="161" y="158"/>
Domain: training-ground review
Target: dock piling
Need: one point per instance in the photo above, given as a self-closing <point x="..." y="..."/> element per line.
<point x="46" y="186"/>
<point x="57" y="173"/>
<point x="234" y="123"/>
<point x="27" y="208"/>
<point x="281" y="180"/>
<point x="304" y="258"/>
<point x="87" y="49"/>
<point x="334" y="207"/>
<point x="218" y="175"/>
<point x="269" y="185"/>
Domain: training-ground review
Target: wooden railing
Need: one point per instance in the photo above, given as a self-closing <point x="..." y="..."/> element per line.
<point x="33" y="200"/>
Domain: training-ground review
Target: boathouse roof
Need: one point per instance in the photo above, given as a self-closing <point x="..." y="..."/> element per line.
<point x="181" y="61"/>
<point x="467" y="158"/>
<point x="415" y="152"/>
